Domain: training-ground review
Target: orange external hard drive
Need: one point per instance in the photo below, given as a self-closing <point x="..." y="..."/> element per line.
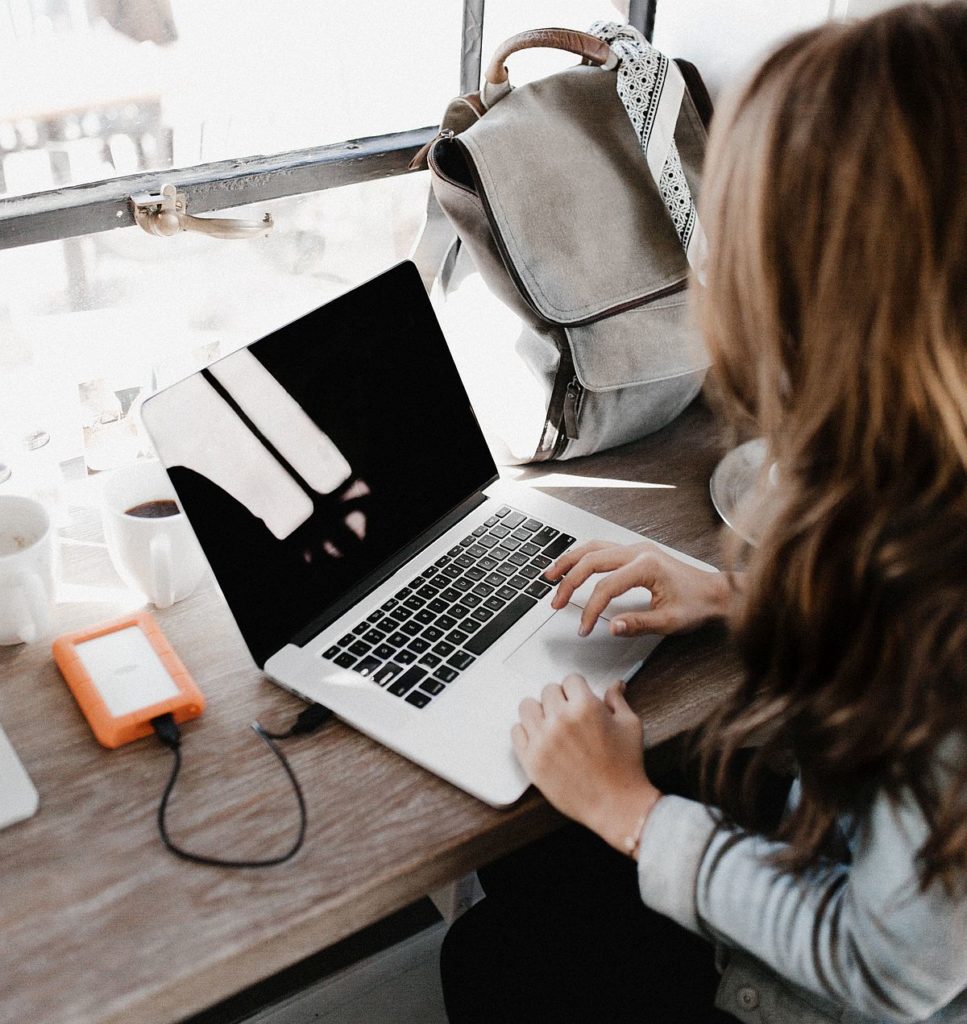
<point x="125" y="673"/>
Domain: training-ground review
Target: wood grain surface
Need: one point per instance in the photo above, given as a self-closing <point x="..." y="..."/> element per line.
<point x="98" y="923"/>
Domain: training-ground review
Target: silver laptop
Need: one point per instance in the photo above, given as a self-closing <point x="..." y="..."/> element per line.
<point x="343" y="493"/>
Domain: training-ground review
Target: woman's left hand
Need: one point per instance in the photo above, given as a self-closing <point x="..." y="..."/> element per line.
<point x="586" y="756"/>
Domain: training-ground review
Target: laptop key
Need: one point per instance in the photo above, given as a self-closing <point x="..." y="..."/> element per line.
<point x="499" y="531"/>
<point x="490" y="521"/>
<point x="418" y="699"/>
<point x="544" y="536"/>
<point x="475" y="573"/>
<point x="506" y="593"/>
<point x="480" y="531"/>
<point x="538" y="588"/>
<point x="510" y="543"/>
<point x="398" y="639"/>
<point x="482" y="614"/>
<point x="445" y="673"/>
<point x="432" y="633"/>
<point x="401" y="595"/>
<point x="425" y="616"/>
<point x="541" y="561"/>
<point x="495" y="579"/>
<point x="530" y="571"/>
<point x="414" y="603"/>
<point x="368" y="666"/>
<point x="502" y="511"/>
<point x="469" y="626"/>
<point x="517" y="559"/>
<point x="463" y="584"/>
<point x="437" y="605"/>
<point x="506" y="569"/>
<point x="359" y="648"/>
<point x="407" y="681"/>
<point x="387" y="673"/>
<point x="457" y="636"/>
<point x="351" y="637"/>
<point x="494" y="604"/>
<point x="459" y="611"/>
<point x="403" y="612"/>
<point x="442" y="561"/>
<point x="476" y="551"/>
<point x="417" y="581"/>
<point x="532" y="525"/>
<point x="345" y="660"/>
<point x="450" y="595"/>
<point x="432" y="686"/>
<point x="521" y="534"/>
<point x="443" y="649"/>
<point x="419" y="645"/>
<point x="430" y="659"/>
<point x="529" y="548"/>
<point x="375" y="617"/>
<point x="388" y="606"/>
<point x="518" y="582"/>
<point x="427" y="593"/>
<point x="384" y="651"/>
<point x="514" y="519"/>
<point x="331" y="653"/>
<point x="451" y="572"/>
<point x="405" y="657"/>
<point x="455" y="550"/>
<point x="470" y="600"/>
<point x="488" y="542"/>
<point x="461" y="660"/>
<point x="487" y="563"/>
<point x="412" y="628"/>
<point x="482" y="589"/>
<point x="446" y="622"/>
<point x="558" y="546"/>
<point x="373" y="636"/>
<point x="499" y="624"/>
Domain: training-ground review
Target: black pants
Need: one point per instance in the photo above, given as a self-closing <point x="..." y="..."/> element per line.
<point x="564" y="937"/>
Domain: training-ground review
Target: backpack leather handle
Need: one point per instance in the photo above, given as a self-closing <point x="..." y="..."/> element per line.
<point x="589" y="48"/>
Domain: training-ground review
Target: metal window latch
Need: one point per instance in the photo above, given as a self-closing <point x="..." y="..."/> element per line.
<point x="166" y="213"/>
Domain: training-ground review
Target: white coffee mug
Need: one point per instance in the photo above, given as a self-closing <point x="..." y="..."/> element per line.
<point x="26" y="569"/>
<point x="158" y="556"/>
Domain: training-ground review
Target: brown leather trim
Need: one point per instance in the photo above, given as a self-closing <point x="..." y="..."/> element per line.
<point x="591" y="49"/>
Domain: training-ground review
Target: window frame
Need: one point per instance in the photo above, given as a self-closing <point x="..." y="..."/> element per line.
<point x="94" y="207"/>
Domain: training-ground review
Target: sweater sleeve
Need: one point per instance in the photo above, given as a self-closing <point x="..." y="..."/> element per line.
<point x="863" y="935"/>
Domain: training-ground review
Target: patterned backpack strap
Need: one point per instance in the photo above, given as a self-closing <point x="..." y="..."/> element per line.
<point x="651" y="88"/>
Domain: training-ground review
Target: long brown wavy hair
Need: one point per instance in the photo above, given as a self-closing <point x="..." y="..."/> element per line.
<point x="835" y="310"/>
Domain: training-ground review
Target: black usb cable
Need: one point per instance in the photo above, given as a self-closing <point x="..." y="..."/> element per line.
<point x="167" y="731"/>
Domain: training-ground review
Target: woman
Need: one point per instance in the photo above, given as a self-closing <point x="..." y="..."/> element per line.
<point x="835" y="313"/>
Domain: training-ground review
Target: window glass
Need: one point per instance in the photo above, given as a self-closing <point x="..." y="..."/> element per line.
<point x="90" y="89"/>
<point x="88" y="326"/>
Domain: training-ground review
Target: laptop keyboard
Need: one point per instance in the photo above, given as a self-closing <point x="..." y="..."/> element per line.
<point x="437" y="626"/>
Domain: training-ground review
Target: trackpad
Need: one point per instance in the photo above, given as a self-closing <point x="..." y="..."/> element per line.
<point x="556" y="649"/>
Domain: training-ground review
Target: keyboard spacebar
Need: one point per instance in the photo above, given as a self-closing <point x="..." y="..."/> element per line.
<point x="499" y="624"/>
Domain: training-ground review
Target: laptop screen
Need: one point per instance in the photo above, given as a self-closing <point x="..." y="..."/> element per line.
<point x="314" y="456"/>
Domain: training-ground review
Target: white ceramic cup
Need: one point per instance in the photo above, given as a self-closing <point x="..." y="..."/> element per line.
<point x="157" y="556"/>
<point x="26" y="569"/>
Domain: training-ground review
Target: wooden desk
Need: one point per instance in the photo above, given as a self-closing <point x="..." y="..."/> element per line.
<point x="99" y="924"/>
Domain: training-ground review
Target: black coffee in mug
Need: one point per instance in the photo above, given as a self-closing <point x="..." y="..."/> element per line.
<point x="156" y="509"/>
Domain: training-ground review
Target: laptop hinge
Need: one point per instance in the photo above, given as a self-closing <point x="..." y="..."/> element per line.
<point x="384" y="571"/>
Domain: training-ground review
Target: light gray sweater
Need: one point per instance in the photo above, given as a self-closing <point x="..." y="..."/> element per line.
<point x="852" y="943"/>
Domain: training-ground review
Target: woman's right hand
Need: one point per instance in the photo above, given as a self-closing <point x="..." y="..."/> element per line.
<point x="682" y="597"/>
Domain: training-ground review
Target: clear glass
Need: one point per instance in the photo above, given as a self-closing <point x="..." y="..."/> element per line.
<point x="91" y="89"/>
<point x="89" y="326"/>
